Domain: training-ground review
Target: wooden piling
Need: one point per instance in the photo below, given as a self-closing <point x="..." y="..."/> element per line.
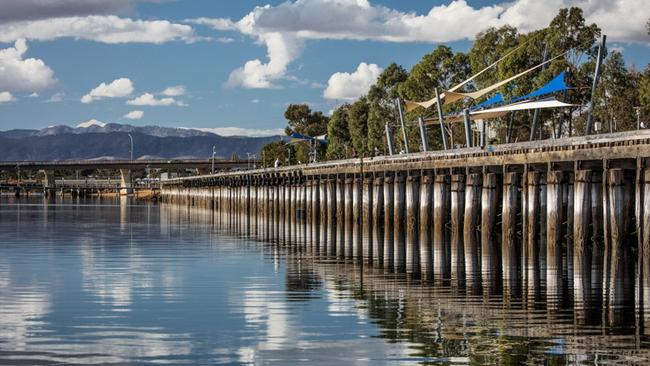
<point x="441" y="243"/>
<point x="490" y="248"/>
<point x="471" y="236"/>
<point x="456" y="237"/>
<point x="581" y="238"/>
<point x="389" y="239"/>
<point x="331" y="216"/>
<point x="349" y="217"/>
<point x="554" y="233"/>
<point x="399" y="226"/>
<point x="412" y="228"/>
<point x="340" y="216"/>
<point x="510" y="227"/>
<point x="425" y="221"/>
<point x="378" y="221"/>
<point x="356" y="217"/>
<point x="366" y="214"/>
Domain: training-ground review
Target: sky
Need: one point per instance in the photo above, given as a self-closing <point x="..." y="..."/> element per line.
<point x="234" y="66"/>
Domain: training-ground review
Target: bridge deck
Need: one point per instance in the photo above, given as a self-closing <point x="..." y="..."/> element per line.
<point x="561" y="152"/>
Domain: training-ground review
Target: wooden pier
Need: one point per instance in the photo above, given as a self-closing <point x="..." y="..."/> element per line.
<point x="503" y="217"/>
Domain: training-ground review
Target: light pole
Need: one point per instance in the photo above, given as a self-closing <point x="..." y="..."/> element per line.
<point x="214" y="153"/>
<point x="131" y="139"/>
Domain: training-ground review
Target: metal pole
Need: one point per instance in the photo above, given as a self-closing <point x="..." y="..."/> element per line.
<point x="214" y="152"/>
<point x="389" y="139"/>
<point x="131" y="139"/>
<point x="468" y="130"/>
<point x="441" y="119"/>
<point x="533" y="127"/>
<point x="423" y="134"/>
<point x="509" y="129"/>
<point x="590" y="117"/>
<point x="483" y="135"/>
<point x="398" y="102"/>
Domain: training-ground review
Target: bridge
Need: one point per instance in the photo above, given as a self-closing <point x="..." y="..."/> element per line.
<point x="126" y="167"/>
<point x="488" y="214"/>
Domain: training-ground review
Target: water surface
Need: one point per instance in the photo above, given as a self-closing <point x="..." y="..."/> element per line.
<point x="120" y="282"/>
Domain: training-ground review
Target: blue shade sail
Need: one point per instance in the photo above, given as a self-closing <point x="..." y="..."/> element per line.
<point x="556" y="84"/>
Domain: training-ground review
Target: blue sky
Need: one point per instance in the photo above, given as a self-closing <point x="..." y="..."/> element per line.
<point x="226" y="64"/>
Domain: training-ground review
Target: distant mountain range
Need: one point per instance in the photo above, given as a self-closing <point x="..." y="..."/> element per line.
<point x="97" y="140"/>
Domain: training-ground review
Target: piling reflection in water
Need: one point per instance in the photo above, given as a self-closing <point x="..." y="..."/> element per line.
<point x="548" y="238"/>
<point x="501" y="319"/>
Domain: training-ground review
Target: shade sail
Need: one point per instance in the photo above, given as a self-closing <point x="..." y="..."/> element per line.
<point x="502" y="111"/>
<point x="411" y="105"/>
<point x="555" y="85"/>
<point x="451" y="97"/>
<point x="497" y="98"/>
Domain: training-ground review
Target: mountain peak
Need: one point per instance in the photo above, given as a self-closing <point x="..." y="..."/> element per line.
<point x="90" y="123"/>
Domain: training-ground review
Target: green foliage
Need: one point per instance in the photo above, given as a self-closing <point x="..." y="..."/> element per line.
<point x="616" y="96"/>
<point x="281" y="150"/>
<point x="644" y="89"/>
<point x="338" y="134"/>
<point x="358" y="127"/>
<point x="301" y="119"/>
<point x="381" y="107"/>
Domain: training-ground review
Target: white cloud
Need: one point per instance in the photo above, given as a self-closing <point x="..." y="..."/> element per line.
<point x="20" y="74"/>
<point x="6" y="97"/>
<point x="56" y="97"/>
<point x="148" y="99"/>
<point x="255" y="101"/>
<point x="33" y="95"/>
<point x="98" y="28"/>
<point x="284" y="28"/>
<point x="174" y="91"/>
<point x="239" y="131"/>
<point x="118" y="88"/>
<point x="134" y="115"/>
<point x="350" y="86"/>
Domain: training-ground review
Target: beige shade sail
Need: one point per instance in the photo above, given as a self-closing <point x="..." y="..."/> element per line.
<point x="502" y="111"/>
<point x="411" y="105"/>
<point x="451" y="96"/>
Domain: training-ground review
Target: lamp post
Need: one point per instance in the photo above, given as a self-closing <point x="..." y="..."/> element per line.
<point x="131" y="139"/>
<point x="214" y="153"/>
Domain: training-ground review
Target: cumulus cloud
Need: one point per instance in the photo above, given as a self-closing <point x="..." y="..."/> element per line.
<point x="148" y="99"/>
<point x="99" y="28"/>
<point x="16" y="10"/>
<point x="174" y="91"/>
<point x="20" y="74"/>
<point x="6" y="97"/>
<point x="350" y="86"/>
<point x="134" y="115"/>
<point x="284" y="28"/>
<point x="118" y="88"/>
<point x="239" y="131"/>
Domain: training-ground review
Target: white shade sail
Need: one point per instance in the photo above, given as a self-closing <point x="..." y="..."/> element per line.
<point x="503" y="110"/>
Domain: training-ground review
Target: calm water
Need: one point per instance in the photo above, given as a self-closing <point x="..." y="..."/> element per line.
<point x="118" y="282"/>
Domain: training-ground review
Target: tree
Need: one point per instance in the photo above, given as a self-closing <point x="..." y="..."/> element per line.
<point x="301" y="119"/>
<point x="358" y="126"/>
<point x="644" y="89"/>
<point x="338" y="135"/>
<point x="443" y="69"/>
<point x="616" y="95"/>
<point x="381" y="110"/>
<point x="284" y="152"/>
